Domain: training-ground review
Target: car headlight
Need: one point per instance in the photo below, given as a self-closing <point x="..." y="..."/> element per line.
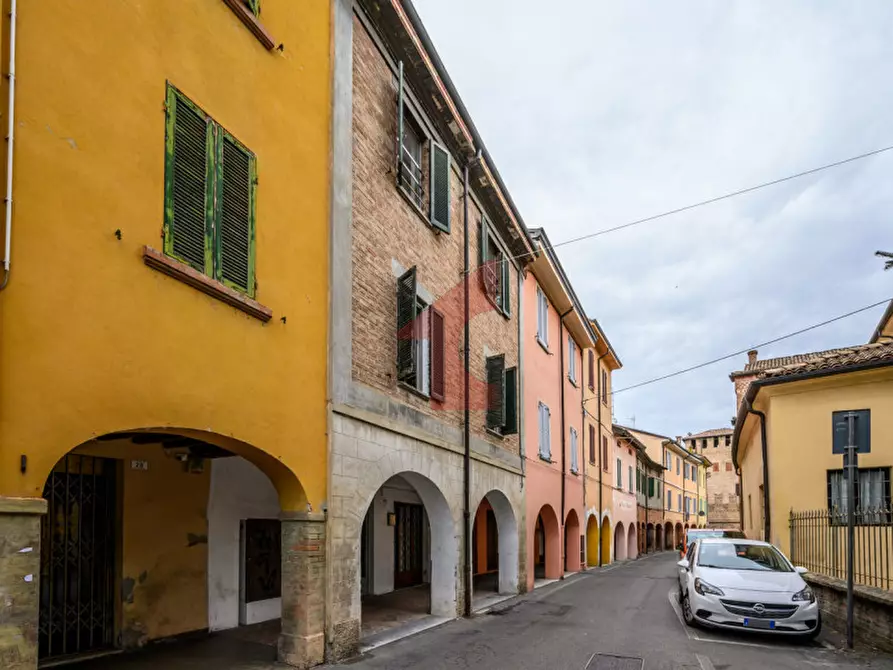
<point x="704" y="588"/>
<point x="805" y="596"/>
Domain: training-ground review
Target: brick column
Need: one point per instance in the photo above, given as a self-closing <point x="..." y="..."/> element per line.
<point x="19" y="577"/>
<point x="302" y="642"/>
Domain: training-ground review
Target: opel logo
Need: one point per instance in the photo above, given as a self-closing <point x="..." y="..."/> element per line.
<point x="759" y="608"/>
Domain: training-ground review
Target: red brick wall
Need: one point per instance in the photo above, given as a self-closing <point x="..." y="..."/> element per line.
<point x="386" y="228"/>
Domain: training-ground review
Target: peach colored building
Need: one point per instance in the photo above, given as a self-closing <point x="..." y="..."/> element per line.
<point x="624" y="509"/>
<point x="555" y="331"/>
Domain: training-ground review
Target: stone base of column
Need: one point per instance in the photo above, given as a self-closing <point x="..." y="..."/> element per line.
<point x="19" y="581"/>
<point x="302" y="642"/>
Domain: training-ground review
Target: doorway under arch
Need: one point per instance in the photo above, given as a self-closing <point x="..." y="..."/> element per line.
<point x="619" y="542"/>
<point x="495" y="546"/>
<point x="187" y="531"/>
<point x="546" y="546"/>
<point x="668" y="535"/>
<point x="659" y="537"/>
<point x="679" y="536"/>
<point x="592" y="541"/>
<point x="408" y="559"/>
<point x="632" y="549"/>
<point x="572" y="559"/>
<point x="649" y="538"/>
<point x="606" y="541"/>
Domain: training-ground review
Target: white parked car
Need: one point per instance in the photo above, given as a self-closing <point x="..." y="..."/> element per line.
<point x="745" y="585"/>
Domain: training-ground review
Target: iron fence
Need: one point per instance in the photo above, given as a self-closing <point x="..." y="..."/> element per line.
<point x="819" y="543"/>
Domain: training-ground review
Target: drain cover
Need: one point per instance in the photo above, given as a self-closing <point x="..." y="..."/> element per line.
<point x="610" y="662"/>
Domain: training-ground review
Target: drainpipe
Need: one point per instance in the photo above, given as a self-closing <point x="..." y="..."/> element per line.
<point x="563" y="438"/>
<point x="466" y="437"/>
<point x="598" y="445"/>
<point x="767" y="515"/>
<point x="647" y="478"/>
<point x="740" y="497"/>
<point x="10" y="138"/>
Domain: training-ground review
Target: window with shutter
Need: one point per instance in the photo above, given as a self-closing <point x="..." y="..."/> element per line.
<point x="619" y="474"/>
<point x="495" y="272"/>
<point x="605" y="453"/>
<point x="575" y="467"/>
<point x="495" y="392"/>
<point x="605" y="387"/>
<point x="542" y="318"/>
<point x="438" y="363"/>
<point x="254" y="6"/>
<point x="210" y="195"/>
<point x="630" y="478"/>
<point x="592" y="445"/>
<point x="571" y="360"/>
<point x="545" y="445"/>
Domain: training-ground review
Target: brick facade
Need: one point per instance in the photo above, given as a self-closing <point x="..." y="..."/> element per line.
<point x="723" y="496"/>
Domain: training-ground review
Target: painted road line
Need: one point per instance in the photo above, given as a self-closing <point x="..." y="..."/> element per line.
<point x="705" y="662"/>
<point x="692" y="635"/>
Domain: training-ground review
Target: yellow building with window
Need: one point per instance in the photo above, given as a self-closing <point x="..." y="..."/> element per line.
<point x="783" y="445"/>
<point x="163" y="322"/>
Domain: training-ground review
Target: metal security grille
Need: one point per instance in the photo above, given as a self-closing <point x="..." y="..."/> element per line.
<point x="78" y="557"/>
<point x="408" y="539"/>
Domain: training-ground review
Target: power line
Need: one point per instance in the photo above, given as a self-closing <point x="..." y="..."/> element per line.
<point x="710" y="201"/>
<point x="755" y="346"/>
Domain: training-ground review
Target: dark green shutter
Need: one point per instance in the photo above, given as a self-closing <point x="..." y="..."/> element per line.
<point x="400" y="122"/>
<point x="188" y="200"/>
<point x="506" y="286"/>
<point x="235" y="215"/>
<point x="254" y="6"/>
<point x="406" y="305"/>
<point x="511" y="402"/>
<point x="440" y="188"/>
<point x="496" y="391"/>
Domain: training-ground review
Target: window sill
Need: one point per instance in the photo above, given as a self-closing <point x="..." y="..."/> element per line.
<point x="573" y="382"/>
<point x="180" y="271"/>
<point x="543" y="345"/>
<point x="546" y="459"/>
<point x="495" y="433"/>
<point x="247" y="17"/>
<point x="497" y="306"/>
<point x="575" y="473"/>
<point x="412" y="389"/>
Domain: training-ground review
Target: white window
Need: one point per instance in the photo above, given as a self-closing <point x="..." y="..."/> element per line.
<point x="545" y="430"/>
<point x="542" y="317"/>
<point x="571" y="360"/>
<point x="619" y="474"/>
<point x="631" y="489"/>
<point x="575" y="468"/>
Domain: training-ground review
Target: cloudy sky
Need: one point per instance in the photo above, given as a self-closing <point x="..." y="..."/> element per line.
<point x="601" y="112"/>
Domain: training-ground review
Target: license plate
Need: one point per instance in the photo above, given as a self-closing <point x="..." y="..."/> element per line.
<point x="764" y="624"/>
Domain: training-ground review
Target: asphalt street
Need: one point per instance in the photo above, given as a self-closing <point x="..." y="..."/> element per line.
<point x="622" y="617"/>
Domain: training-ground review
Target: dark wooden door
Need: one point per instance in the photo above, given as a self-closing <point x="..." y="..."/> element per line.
<point x="492" y="542"/>
<point x="263" y="559"/>
<point x="408" y="545"/>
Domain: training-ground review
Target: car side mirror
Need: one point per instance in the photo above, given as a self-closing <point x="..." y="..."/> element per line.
<point x="684" y="564"/>
<point x="800" y="570"/>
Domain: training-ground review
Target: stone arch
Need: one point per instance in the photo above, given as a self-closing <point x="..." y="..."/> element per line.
<point x="443" y="533"/>
<point x="668" y="535"/>
<point x="572" y="547"/>
<point x="619" y="542"/>
<point x="547" y="538"/>
<point x="632" y="549"/>
<point x="508" y="539"/>
<point x="592" y="540"/>
<point x="605" y="541"/>
<point x="679" y="536"/>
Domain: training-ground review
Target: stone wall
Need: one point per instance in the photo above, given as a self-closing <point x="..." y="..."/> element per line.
<point x="873" y="610"/>
<point x="723" y="496"/>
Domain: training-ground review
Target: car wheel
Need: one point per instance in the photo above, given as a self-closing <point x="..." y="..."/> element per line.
<point x="687" y="614"/>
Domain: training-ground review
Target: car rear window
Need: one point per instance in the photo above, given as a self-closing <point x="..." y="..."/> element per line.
<point x="731" y="556"/>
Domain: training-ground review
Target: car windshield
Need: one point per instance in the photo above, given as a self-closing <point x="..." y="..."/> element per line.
<point x="729" y="556"/>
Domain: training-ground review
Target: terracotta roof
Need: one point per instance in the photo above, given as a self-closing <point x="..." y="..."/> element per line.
<point x="772" y="363"/>
<point x="835" y="359"/>
<point x="713" y="432"/>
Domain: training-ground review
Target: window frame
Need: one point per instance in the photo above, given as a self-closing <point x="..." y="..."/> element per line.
<point x="571" y="360"/>
<point x="880" y="515"/>
<point x="631" y="489"/>
<point x="215" y="138"/>
<point x="420" y="378"/>
<point x="542" y="318"/>
<point x="495" y="269"/>
<point x="575" y="445"/>
<point x="605" y="453"/>
<point x="619" y="474"/>
<point x="544" y="420"/>
<point x="604" y="387"/>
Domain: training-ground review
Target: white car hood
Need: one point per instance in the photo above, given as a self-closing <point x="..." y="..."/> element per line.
<point x="752" y="580"/>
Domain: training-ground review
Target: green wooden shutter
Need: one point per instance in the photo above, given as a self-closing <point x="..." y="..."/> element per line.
<point x="496" y="391"/>
<point x="400" y="122"/>
<point x="511" y="402"/>
<point x="438" y="357"/>
<point x="506" y="287"/>
<point x="440" y="188"/>
<point x="254" y="6"/>
<point x="188" y="185"/>
<point x="235" y="215"/>
<point x="406" y="307"/>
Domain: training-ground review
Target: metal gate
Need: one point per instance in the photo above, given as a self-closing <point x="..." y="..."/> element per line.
<point x="408" y="545"/>
<point x="77" y="561"/>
